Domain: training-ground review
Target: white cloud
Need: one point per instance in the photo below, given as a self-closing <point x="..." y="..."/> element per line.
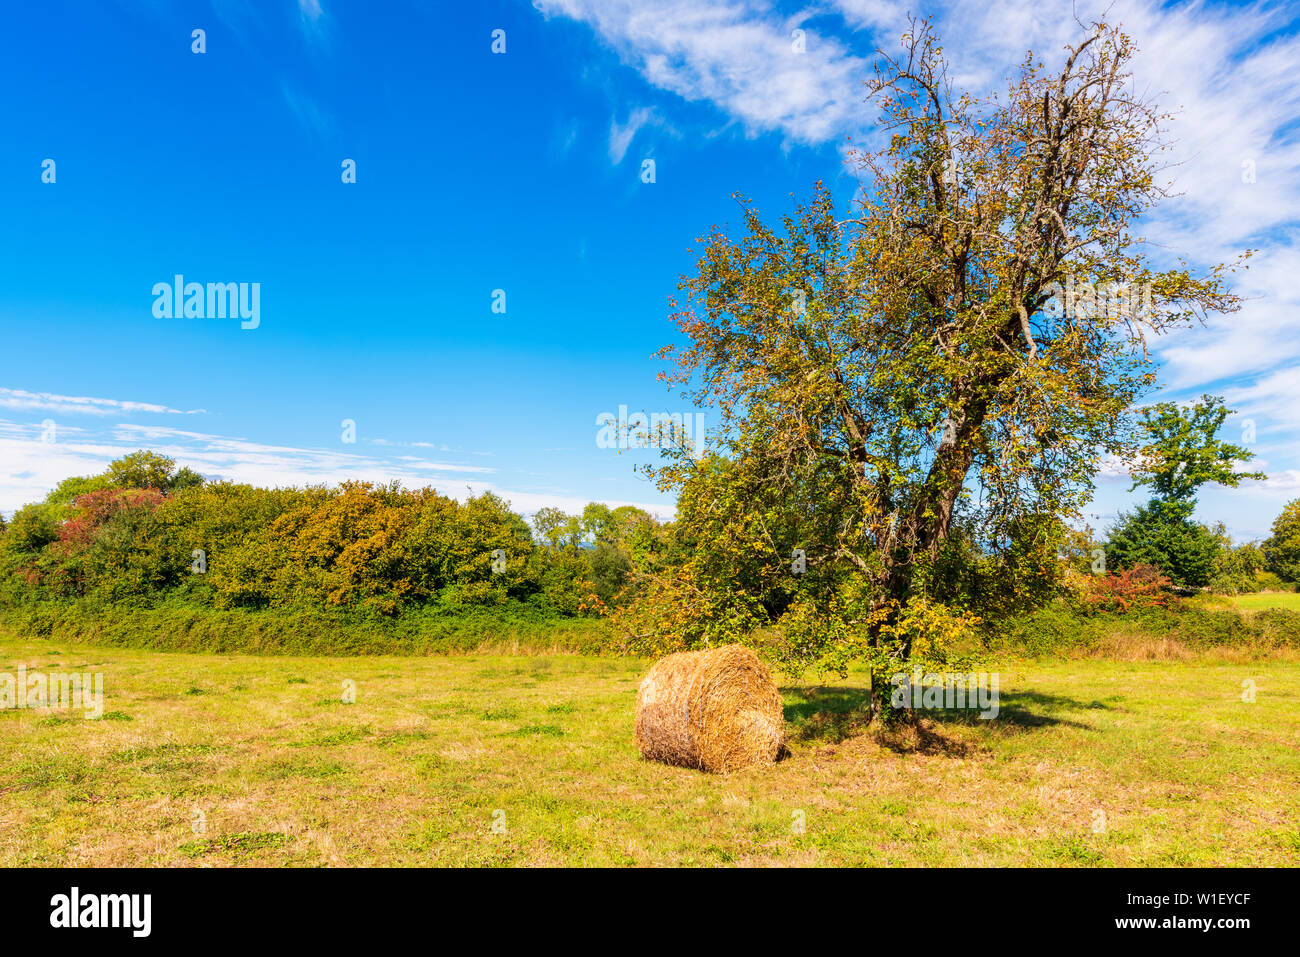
<point x="1287" y="481"/>
<point x="1259" y="337"/>
<point x="737" y="55"/>
<point x="80" y="405"/>
<point x="1272" y="399"/>
<point x="888" y="15"/>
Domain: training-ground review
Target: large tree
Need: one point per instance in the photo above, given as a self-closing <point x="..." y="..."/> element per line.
<point x="968" y="338"/>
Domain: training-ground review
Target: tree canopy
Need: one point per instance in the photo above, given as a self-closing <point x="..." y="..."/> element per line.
<point x="1282" y="549"/>
<point x="1183" y="451"/>
<point x="883" y="371"/>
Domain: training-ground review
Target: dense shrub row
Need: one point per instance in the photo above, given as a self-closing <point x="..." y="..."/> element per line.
<point x="143" y="534"/>
<point x="152" y="556"/>
<point x="180" y="626"/>
<point x="1065" y="628"/>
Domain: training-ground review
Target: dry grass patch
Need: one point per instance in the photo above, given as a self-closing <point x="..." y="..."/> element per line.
<point x="1181" y="769"/>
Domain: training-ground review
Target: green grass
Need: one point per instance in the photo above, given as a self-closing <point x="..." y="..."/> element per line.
<point x="474" y="760"/>
<point x="1263" y="600"/>
<point x="238" y="844"/>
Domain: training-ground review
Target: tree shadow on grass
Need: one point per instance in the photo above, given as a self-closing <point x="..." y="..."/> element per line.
<point x="831" y="714"/>
<point x="1021" y="709"/>
<point x="827" y="715"/>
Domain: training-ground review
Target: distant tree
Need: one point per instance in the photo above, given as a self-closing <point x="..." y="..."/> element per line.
<point x="1183" y="452"/>
<point x="31" y="529"/>
<point x="65" y="493"/>
<point x="1282" y="548"/>
<point x="183" y="479"/>
<point x="377" y="547"/>
<point x="1180" y="453"/>
<point x="637" y="531"/>
<point x="109" y="544"/>
<point x="610" y="568"/>
<point x="145" y="469"/>
<point x="142" y="469"/>
<point x="1161" y="533"/>
<point x="1237" y="567"/>
<point x="598" y="523"/>
<point x="557" y="529"/>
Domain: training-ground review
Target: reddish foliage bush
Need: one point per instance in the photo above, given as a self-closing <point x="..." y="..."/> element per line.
<point x="95" y="508"/>
<point x="1141" y="586"/>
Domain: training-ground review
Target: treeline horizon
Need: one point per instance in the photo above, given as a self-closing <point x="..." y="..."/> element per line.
<point x="143" y="529"/>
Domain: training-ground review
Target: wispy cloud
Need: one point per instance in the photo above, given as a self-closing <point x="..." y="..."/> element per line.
<point x="309" y="113"/>
<point x="239" y="459"/>
<point x="1287" y="481"/>
<point x="739" y="56"/>
<point x="564" y="138"/>
<point x="81" y="405"/>
<point x="621" y="134"/>
<point x="314" y="21"/>
<point x="1274" y="397"/>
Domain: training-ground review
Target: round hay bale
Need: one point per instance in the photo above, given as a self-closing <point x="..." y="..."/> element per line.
<point x="717" y="710"/>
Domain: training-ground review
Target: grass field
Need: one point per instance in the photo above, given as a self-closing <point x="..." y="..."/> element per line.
<point x="241" y="760"/>
<point x="1264" y="600"/>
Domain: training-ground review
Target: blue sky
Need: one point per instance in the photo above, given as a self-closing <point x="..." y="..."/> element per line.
<point x="520" y="172"/>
